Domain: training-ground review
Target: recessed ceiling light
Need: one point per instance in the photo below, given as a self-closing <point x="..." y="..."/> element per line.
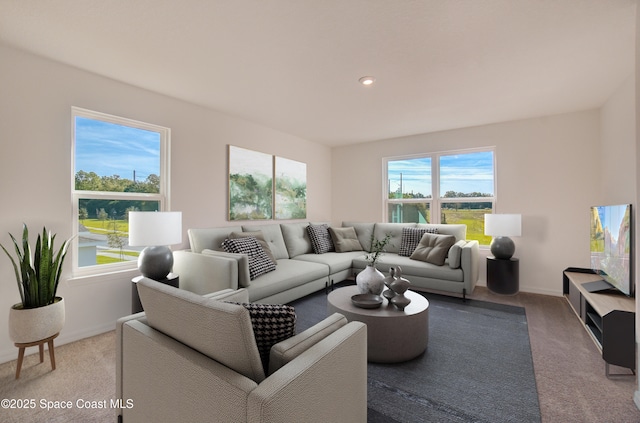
<point x="367" y="80"/>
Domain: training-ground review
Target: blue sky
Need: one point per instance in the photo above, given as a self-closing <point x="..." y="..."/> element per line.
<point x="469" y="172"/>
<point x="110" y="149"/>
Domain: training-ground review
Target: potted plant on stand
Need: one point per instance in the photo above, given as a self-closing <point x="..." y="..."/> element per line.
<point x="40" y="314"/>
<point x="371" y="280"/>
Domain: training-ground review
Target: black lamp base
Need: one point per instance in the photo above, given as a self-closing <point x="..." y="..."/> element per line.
<point x="502" y="247"/>
<point x="155" y="262"/>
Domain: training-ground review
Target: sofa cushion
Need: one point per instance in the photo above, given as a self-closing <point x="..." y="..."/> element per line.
<point x="273" y="236"/>
<point x="272" y="323"/>
<point x="320" y="238"/>
<point x="289" y="274"/>
<point x="285" y="351"/>
<point x="257" y="235"/>
<point x="296" y="238"/>
<point x="337" y="262"/>
<point x="411" y="238"/>
<point x="259" y="261"/>
<point x="455" y="254"/>
<point x="364" y="232"/>
<point x="412" y="268"/>
<point x="394" y="230"/>
<point x="345" y="239"/>
<point x="216" y="329"/>
<point x="433" y="248"/>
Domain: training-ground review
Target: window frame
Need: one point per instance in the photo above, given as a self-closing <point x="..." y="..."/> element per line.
<point x="162" y="197"/>
<point x="436" y="201"/>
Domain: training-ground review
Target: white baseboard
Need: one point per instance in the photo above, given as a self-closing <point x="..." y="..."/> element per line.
<point x="551" y="292"/>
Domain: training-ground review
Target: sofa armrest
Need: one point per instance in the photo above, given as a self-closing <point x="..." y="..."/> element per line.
<point x="470" y="264"/>
<point x="204" y="274"/>
<point x="326" y="383"/>
<point x="285" y="351"/>
<point x="237" y="295"/>
<point x="244" y="277"/>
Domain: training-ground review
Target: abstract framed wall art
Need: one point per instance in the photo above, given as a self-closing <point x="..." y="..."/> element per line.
<point x="290" y="197"/>
<point x="250" y="184"/>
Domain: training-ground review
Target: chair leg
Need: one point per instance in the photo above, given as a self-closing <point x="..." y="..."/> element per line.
<point x="20" y="359"/>
<point x="41" y="351"/>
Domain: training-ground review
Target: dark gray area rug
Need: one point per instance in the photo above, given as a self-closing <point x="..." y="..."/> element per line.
<point x="477" y="367"/>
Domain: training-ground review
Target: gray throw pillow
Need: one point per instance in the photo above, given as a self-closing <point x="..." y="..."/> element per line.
<point x="345" y="239"/>
<point x="411" y="238"/>
<point x="455" y="254"/>
<point x="433" y="248"/>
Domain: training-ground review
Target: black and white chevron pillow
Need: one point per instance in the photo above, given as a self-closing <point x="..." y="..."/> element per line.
<point x="259" y="261"/>
<point x="320" y="238"/>
<point x="272" y="323"/>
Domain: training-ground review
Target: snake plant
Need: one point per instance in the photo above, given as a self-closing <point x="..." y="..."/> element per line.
<point x="38" y="275"/>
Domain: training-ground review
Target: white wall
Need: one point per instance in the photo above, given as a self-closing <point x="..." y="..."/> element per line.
<point x="619" y="155"/>
<point x="618" y="146"/>
<point x="546" y="169"/>
<point x="35" y="170"/>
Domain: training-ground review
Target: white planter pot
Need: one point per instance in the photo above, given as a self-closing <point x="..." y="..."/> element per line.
<point x="34" y="324"/>
<point x="370" y="281"/>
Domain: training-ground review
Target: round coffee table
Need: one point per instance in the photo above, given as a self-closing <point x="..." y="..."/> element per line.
<point x="392" y="335"/>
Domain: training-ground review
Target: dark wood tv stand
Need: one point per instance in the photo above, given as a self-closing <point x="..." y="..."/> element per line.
<point x="610" y="318"/>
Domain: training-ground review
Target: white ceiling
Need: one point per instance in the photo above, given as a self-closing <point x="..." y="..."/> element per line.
<point x="294" y="65"/>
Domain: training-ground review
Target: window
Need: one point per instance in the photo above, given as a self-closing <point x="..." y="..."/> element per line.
<point x="448" y="187"/>
<point x="119" y="165"/>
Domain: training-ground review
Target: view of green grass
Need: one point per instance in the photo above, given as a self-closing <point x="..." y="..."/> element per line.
<point x="104" y="227"/>
<point x="474" y="219"/>
<point x="100" y="259"/>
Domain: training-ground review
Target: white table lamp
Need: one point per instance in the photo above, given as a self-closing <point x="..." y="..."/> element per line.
<point x="501" y="227"/>
<point x="155" y="231"/>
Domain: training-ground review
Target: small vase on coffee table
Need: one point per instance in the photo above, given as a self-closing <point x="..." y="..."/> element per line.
<point x="370" y="281"/>
<point x="388" y="293"/>
<point x="399" y="286"/>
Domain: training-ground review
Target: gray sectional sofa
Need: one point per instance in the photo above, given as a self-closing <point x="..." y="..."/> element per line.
<point x="206" y="267"/>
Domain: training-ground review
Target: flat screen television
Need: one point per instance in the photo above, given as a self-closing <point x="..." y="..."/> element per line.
<point x="611" y="248"/>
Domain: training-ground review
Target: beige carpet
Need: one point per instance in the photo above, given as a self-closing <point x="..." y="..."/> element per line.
<point x="570" y="377"/>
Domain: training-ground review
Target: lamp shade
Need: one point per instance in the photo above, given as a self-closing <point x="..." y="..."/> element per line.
<point x="155" y="228"/>
<point x="503" y="224"/>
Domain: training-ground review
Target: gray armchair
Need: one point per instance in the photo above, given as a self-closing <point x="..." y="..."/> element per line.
<point x="194" y="358"/>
